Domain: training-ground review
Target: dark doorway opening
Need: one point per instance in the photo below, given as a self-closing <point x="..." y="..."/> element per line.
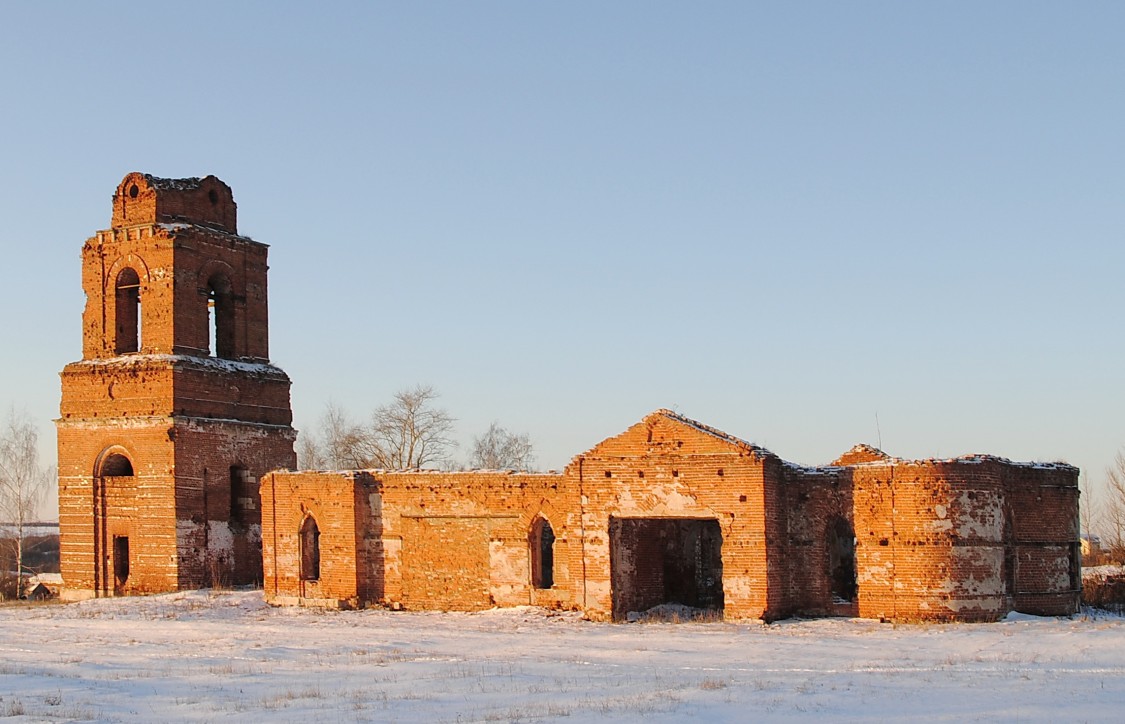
<point x="655" y="561"/>
<point x="841" y="561"/>
<point x="120" y="562"/>
<point x="310" y="550"/>
<point x="113" y="479"/>
<point x="542" y="554"/>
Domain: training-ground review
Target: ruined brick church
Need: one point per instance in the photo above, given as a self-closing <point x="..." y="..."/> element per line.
<point x="176" y="451"/>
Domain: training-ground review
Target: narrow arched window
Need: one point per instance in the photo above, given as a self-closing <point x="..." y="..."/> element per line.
<point x="220" y="317"/>
<point x="241" y="495"/>
<point x="310" y="550"/>
<point x="128" y="309"/>
<point x="542" y="541"/>
<point x="841" y="561"/>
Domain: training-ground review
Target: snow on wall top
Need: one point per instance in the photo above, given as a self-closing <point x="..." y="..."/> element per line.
<point x="860" y="450"/>
<point x="225" y="365"/>
<point x="376" y="472"/>
<point x="174" y="184"/>
<point x="887" y="460"/>
<point x="713" y="432"/>
<point x="174" y="226"/>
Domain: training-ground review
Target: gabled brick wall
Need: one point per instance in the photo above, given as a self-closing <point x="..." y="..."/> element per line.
<point x="963" y="539"/>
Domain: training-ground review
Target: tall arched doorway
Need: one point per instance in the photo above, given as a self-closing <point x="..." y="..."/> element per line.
<point x="114" y="477"/>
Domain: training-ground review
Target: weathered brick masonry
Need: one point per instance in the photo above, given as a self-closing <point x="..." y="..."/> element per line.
<point x="174" y="410"/>
<point x="673" y="511"/>
<point x="174" y="416"/>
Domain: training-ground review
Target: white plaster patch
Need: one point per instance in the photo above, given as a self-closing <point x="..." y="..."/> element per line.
<point x="979" y="514"/>
<point x="981" y="568"/>
<point x="875" y="574"/>
<point x="940" y="526"/>
<point x="507" y="563"/>
<point x="188" y="534"/>
<point x="1058" y="579"/>
<point x="220" y="539"/>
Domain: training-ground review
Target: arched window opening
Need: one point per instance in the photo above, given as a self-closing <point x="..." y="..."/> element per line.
<point x="220" y="317"/>
<point x="310" y="550"/>
<point x="542" y="541"/>
<point x="841" y="561"/>
<point x="241" y="495"/>
<point x="116" y="466"/>
<point x="128" y="307"/>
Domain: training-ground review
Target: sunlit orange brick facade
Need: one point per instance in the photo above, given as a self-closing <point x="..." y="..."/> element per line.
<point x="174" y="410"/>
<point x="174" y="418"/>
<point x="673" y="511"/>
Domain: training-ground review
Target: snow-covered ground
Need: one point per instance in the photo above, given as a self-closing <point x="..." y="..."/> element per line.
<point x="206" y="656"/>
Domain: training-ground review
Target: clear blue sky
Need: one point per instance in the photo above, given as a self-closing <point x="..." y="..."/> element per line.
<point x="783" y="220"/>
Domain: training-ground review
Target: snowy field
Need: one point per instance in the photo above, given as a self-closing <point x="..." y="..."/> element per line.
<point x="206" y="656"/>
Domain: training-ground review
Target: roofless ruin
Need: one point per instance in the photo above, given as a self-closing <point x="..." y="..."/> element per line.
<point x="174" y="418"/>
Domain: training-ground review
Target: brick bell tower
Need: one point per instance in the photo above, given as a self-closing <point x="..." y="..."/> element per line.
<point x="174" y="410"/>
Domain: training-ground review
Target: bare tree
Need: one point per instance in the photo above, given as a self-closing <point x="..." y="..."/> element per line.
<point x="499" y="449"/>
<point x="410" y="432"/>
<point x="23" y="483"/>
<point x="344" y="440"/>
<point x="310" y="456"/>
<point x="1089" y="518"/>
<point x="1113" y="508"/>
<point x="1089" y="512"/>
<point x="336" y="444"/>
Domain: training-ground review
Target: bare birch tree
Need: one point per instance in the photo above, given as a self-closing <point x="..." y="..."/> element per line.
<point x="1113" y="508"/>
<point x="336" y="444"/>
<point x="310" y="456"/>
<point x="1088" y="506"/>
<point x="23" y="483"/>
<point x="499" y="449"/>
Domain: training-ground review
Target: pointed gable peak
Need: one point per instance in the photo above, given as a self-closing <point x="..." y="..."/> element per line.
<point x="699" y="427"/>
<point x="861" y="453"/>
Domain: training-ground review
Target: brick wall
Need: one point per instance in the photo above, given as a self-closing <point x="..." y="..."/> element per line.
<point x="424" y="540"/>
<point x="177" y="265"/>
<point x="190" y="425"/>
<point x="198" y="420"/>
<point x="661" y="468"/>
<point x="931" y="540"/>
<point x="142" y="198"/>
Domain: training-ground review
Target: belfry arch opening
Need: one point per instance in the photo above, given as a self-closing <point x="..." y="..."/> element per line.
<point x="841" y="561"/>
<point x="128" y="311"/>
<point x="220" y="317"/>
<point x="542" y="543"/>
